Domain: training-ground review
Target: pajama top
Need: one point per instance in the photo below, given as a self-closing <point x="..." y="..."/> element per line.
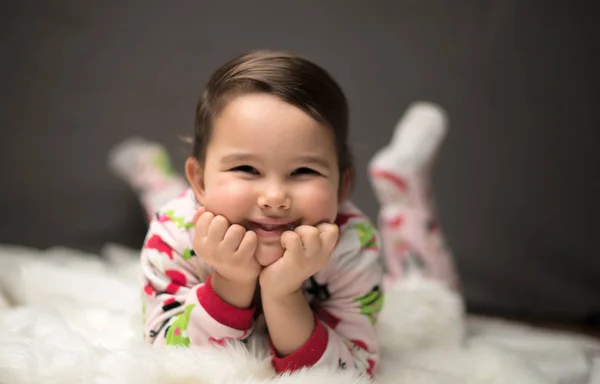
<point x="180" y="307"/>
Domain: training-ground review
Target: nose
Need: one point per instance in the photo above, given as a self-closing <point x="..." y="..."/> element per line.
<point x="274" y="197"/>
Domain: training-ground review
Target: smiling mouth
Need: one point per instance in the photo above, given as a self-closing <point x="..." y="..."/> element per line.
<point x="271" y="230"/>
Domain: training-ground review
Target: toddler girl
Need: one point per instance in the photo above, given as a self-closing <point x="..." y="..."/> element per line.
<point x="265" y="243"/>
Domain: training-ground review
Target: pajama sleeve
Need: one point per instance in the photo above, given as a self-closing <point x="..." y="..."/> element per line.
<point x="180" y="308"/>
<point x="346" y="299"/>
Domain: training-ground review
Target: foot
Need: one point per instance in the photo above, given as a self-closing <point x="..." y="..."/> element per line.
<point x="146" y="167"/>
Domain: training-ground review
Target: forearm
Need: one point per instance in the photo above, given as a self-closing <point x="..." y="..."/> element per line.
<point x="290" y="320"/>
<point x="239" y="295"/>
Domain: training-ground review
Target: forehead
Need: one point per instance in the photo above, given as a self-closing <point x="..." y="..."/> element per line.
<point x="267" y="125"/>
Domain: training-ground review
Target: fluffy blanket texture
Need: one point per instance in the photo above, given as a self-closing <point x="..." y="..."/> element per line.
<point x="68" y="317"/>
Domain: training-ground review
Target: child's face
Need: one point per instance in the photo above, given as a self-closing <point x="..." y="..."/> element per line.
<point x="270" y="167"/>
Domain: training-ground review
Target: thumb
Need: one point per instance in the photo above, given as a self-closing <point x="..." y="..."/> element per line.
<point x="285" y="239"/>
<point x="291" y="243"/>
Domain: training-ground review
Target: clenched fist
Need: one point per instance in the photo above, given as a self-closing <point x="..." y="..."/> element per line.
<point x="228" y="248"/>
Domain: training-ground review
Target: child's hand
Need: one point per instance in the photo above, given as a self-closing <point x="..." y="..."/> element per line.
<point x="229" y="249"/>
<point x="307" y="250"/>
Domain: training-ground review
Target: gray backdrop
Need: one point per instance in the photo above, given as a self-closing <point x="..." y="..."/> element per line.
<point x="516" y="181"/>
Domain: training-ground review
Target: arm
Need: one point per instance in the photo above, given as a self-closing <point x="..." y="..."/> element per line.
<point x="290" y="320"/>
<point x="341" y="331"/>
<point x="239" y="295"/>
<point x="181" y="303"/>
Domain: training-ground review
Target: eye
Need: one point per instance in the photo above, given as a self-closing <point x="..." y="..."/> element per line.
<point x="246" y="169"/>
<point x="305" y="171"/>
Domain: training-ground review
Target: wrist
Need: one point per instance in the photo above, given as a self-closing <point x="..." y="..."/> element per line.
<point x="233" y="283"/>
<point x="290" y="321"/>
<point x="280" y="297"/>
<point x="238" y="294"/>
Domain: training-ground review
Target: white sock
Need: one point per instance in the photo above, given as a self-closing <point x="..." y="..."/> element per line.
<point x="416" y="139"/>
<point x="400" y="176"/>
<point x="146" y="167"/>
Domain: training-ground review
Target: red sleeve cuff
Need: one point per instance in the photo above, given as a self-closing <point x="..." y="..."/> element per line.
<point x="307" y="355"/>
<point x="222" y="311"/>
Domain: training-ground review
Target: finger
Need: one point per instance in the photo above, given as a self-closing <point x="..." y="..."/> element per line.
<point x="203" y="224"/>
<point x="217" y="229"/>
<point x="248" y="244"/>
<point x="291" y="242"/>
<point x="310" y="239"/>
<point x="200" y="211"/>
<point x="233" y="237"/>
<point x="329" y="234"/>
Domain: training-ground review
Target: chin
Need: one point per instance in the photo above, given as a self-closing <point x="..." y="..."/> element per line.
<point x="268" y="254"/>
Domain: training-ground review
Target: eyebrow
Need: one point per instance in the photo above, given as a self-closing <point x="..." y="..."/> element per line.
<point x="240" y="157"/>
<point x="236" y="157"/>
<point x="314" y="160"/>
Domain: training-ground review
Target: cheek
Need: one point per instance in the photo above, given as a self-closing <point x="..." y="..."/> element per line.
<point x="229" y="197"/>
<point x="318" y="202"/>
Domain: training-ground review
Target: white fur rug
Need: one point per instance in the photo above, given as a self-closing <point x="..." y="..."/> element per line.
<point x="67" y="317"/>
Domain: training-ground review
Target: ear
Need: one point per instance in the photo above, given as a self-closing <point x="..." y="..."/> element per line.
<point x="346" y="185"/>
<point x="193" y="173"/>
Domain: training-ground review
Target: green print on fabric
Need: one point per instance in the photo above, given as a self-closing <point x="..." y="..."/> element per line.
<point x="187" y="254"/>
<point x="179" y="221"/>
<point x="366" y="234"/>
<point x="143" y="311"/>
<point x="371" y="303"/>
<point x="162" y="162"/>
<point x="177" y="335"/>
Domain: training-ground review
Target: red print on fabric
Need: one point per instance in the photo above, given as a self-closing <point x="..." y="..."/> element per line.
<point x="162" y="218"/>
<point x="172" y="289"/>
<point x="361" y="344"/>
<point x="395" y="222"/>
<point x="329" y="319"/>
<point x="220" y="342"/>
<point x="178" y="279"/>
<point x="223" y="340"/>
<point x="169" y="304"/>
<point x="343" y="218"/>
<point x="169" y="301"/>
<point x="149" y="290"/>
<point x="176" y="276"/>
<point x="155" y="242"/>
<point x="371" y="366"/>
<point x="399" y="182"/>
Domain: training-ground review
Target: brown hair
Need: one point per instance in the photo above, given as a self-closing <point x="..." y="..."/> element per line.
<point x="292" y="79"/>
